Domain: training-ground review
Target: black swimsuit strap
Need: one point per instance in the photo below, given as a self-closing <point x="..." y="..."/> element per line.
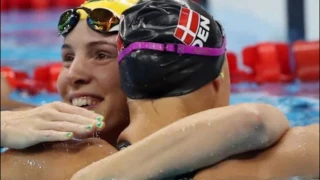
<point x="123" y="144"/>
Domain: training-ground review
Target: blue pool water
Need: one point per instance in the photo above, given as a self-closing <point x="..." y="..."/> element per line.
<point x="29" y="39"/>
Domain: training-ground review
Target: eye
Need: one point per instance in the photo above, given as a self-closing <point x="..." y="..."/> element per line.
<point x="67" y="60"/>
<point x="103" y="56"/>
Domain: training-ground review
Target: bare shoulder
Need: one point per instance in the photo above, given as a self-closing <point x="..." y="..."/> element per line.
<point x="311" y="129"/>
<point x="297" y="137"/>
<point x="303" y="141"/>
<point x="302" y="136"/>
<point x="295" y="154"/>
<point x="43" y="160"/>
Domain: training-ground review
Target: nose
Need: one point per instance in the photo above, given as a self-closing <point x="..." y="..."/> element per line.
<point x="79" y="72"/>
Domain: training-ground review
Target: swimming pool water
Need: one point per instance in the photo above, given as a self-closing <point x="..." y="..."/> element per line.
<point x="29" y="39"/>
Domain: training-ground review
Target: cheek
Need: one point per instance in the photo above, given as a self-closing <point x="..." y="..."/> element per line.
<point x="62" y="83"/>
<point x="109" y="78"/>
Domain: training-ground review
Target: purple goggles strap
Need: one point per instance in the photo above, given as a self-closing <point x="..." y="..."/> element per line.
<point x="175" y="48"/>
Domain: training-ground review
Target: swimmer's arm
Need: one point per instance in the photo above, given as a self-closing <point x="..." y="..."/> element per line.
<point x="8" y="104"/>
<point x="195" y="142"/>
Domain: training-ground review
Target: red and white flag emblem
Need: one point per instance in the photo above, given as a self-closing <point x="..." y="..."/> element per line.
<point x="188" y="26"/>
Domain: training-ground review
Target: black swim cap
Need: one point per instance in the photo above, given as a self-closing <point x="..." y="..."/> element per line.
<point x="176" y="69"/>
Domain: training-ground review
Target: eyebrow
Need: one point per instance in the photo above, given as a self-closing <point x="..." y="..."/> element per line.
<point x="66" y="46"/>
<point x="90" y="44"/>
<point x="97" y="43"/>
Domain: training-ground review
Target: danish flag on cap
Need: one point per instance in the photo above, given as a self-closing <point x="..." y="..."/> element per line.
<point x="188" y="26"/>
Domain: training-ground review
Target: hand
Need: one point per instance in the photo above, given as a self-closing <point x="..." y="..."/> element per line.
<point x="51" y="122"/>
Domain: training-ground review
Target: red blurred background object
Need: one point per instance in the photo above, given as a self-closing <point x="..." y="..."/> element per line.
<point x="17" y="4"/>
<point x="269" y="62"/>
<point x="20" y="80"/>
<point x="306" y="56"/>
<point x="44" y="78"/>
<point x="40" y="5"/>
<point x="250" y="57"/>
<point x="54" y="71"/>
<point x="236" y="75"/>
<point x="267" y="68"/>
<point x="67" y="4"/>
<point x="44" y="4"/>
<point x="4" y="5"/>
<point x="48" y="75"/>
<point x="9" y="74"/>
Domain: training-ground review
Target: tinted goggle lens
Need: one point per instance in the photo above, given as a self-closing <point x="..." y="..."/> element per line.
<point x="101" y="20"/>
<point x="67" y="22"/>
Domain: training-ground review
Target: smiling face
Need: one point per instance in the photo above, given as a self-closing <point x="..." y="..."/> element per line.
<point x="90" y="77"/>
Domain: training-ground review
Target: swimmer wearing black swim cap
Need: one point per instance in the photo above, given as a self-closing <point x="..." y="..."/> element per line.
<point x="168" y="48"/>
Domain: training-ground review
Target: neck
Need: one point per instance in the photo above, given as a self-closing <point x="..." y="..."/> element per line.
<point x="112" y="131"/>
<point x="148" y="116"/>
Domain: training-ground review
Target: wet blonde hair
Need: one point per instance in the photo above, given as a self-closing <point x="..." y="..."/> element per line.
<point x="115" y="6"/>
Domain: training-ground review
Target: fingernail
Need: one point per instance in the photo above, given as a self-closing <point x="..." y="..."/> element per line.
<point x="89" y="127"/>
<point x="69" y="134"/>
<point x="100" y="125"/>
<point x="100" y="118"/>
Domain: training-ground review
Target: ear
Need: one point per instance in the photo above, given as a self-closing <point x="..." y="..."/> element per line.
<point x="217" y="82"/>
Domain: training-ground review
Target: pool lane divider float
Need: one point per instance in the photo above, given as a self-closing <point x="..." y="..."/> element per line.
<point x="271" y="63"/>
<point x="7" y="5"/>
<point x="306" y="57"/>
<point x="44" y="78"/>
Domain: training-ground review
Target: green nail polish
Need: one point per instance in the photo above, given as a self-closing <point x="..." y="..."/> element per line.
<point x="100" y="124"/>
<point x="89" y="127"/>
<point x="69" y="134"/>
<point x="100" y="118"/>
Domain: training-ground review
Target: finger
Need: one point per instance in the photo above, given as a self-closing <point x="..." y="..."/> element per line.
<point x="51" y="135"/>
<point x="72" y="118"/>
<point x="78" y="130"/>
<point x="67" y="108"/>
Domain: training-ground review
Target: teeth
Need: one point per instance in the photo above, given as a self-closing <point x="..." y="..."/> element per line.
<point x="83" y="101"/>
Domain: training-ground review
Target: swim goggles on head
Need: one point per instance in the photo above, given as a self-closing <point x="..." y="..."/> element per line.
<point x="99" y="19"/>
<point x="176" y="48"/>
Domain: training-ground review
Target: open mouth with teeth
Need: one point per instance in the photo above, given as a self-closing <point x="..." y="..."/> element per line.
<point x="87" y="102"/>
